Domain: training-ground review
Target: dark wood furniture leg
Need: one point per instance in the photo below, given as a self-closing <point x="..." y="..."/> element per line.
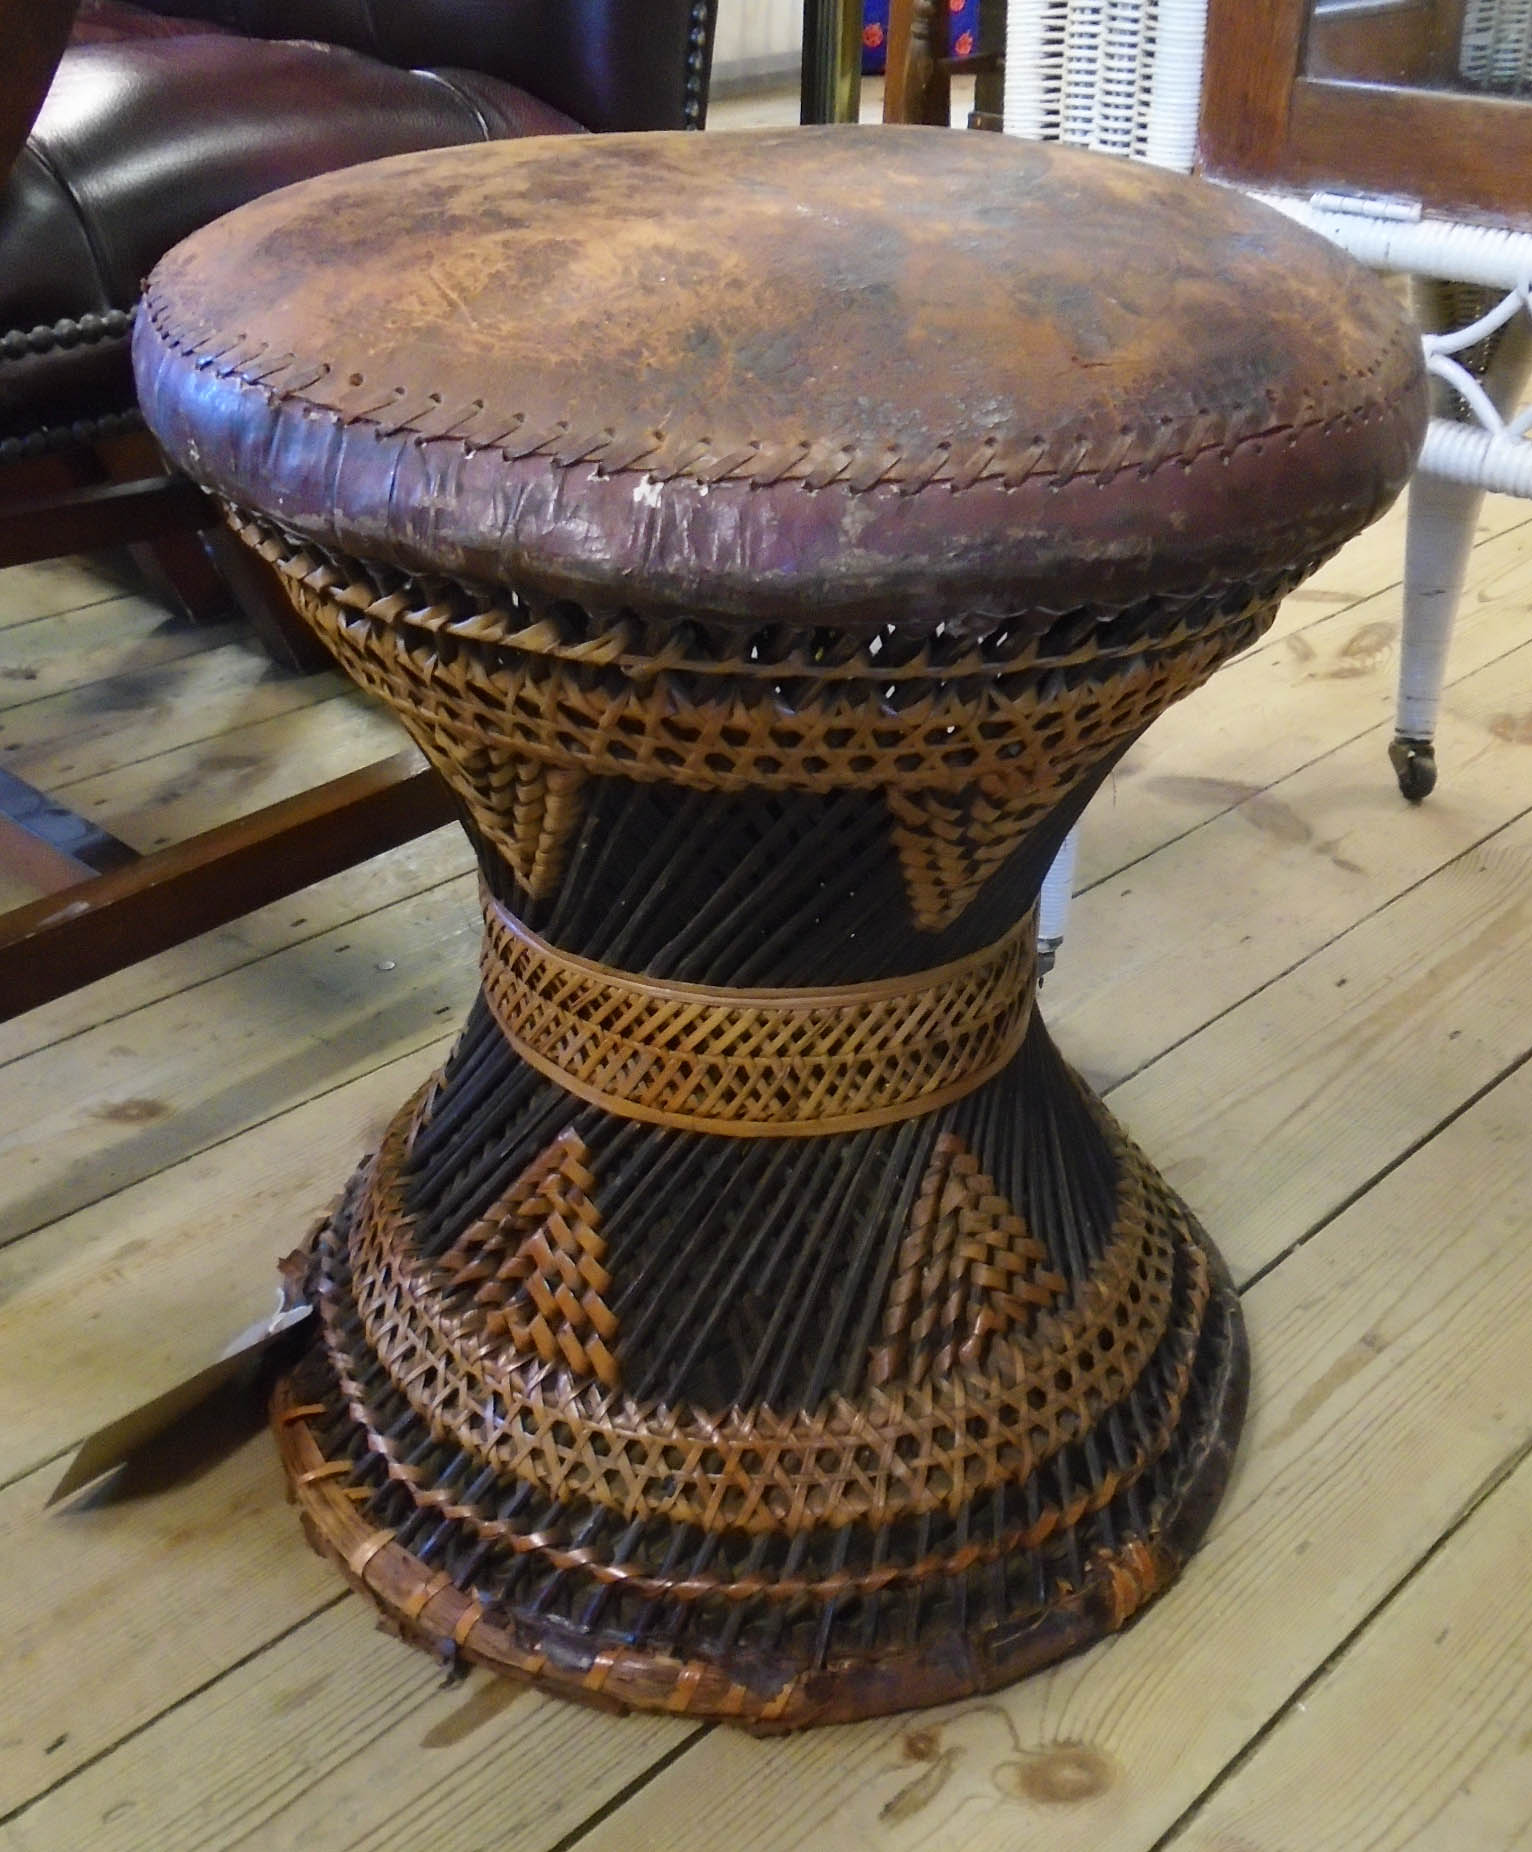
<point x="85" y="931"/>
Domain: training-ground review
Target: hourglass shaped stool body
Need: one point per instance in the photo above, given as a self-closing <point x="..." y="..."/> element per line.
<point x="773" y="539"/>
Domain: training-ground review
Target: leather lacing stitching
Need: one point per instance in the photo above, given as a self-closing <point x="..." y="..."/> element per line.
<point x="810" y="462"/>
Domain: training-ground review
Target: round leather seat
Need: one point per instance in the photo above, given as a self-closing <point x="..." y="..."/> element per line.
<point x="891" y="377"/>
<point x="773" y="540"/>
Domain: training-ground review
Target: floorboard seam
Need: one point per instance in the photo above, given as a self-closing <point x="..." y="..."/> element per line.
<point x="1441" y="868"/>
<point x="186" y="990"/>
<point x="186" y="1697"/>
<point x="1382" y="727"/>
<point x="1388" y="1169"/>
<point x="338" y="693"/>
<point x="131" y="1183"/>
<point x="629" y="1789"/>
<point x="37" y="1466"/>
<point x="88" y="604"/>
<point x="1485" y="1491"/>
<point x="172" y="626"/>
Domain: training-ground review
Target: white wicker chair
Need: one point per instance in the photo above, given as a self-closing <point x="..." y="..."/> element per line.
<point x="1473" y="294"/>
<point x="1121" y="76"/>
<point x="1125" y="76"/>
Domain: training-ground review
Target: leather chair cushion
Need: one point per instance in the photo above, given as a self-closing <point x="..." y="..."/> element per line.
<point x="142" y="139"/>
<point x="833" y="377"/>
<point x="611" y="64"/>
<point x="101" y="22"/>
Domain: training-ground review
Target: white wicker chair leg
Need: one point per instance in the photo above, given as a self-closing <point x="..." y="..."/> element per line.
<point x="1438" y="540"/>
<point x="1444" y="505"/>
<point x="1053" y="904"/>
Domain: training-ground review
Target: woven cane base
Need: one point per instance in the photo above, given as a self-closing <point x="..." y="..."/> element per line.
<point x="1038" y="1377"/>
<point x="755" y="1318"/>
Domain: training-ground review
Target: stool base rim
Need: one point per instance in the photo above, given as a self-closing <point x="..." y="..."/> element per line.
<point x="768" y="1694"/>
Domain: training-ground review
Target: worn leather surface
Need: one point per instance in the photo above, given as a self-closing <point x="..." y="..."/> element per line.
<point x="33" y="34"/>
<point x="101" y="22"/>
<point x="229" y="119"/>
<point x="835" y="375"/>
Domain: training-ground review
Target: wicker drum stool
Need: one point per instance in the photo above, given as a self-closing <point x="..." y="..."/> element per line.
<point x="773" y="539"/>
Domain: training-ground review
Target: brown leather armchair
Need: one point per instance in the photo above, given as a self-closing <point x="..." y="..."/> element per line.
<point x="162" y="116"/>
<point x="124" y="127"/>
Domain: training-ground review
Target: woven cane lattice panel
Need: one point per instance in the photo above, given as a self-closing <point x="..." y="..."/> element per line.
<point x="758" y="1062"/>
<point x="1138" y="1432"/>
<point x="906" y="1448"/>
<point x="969" y="1271"/>
<point x="971" y="746"/>
<point x="1496" y="46"/>
<point x="463" y="679"/>
<point x="899" y="1555"/>
<point x="527" y="809"/>
<point x="1063" y="1370"/>
<point x="672" y="1644"/>
<point x="533" y="1268"/>
<point x="1037" y="736"/>
<point x="950" y="843"/>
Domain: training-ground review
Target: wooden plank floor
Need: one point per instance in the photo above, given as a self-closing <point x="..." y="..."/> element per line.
<point x="1311" y="1003"/>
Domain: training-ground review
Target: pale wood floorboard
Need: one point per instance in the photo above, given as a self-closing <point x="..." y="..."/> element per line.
<point x="102" y="726"/>
<point x="1421" y="1735"/>
<point x="1393" y="1377"/>
<point x="407" y="872"/>
<point x="1312" y="1004"/>
<point x="55" y="585"/>
<point x="121" y="635"/>
<point x="125" y="1100"/>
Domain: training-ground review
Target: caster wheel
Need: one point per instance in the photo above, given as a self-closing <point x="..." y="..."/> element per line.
<point x="1414" y="763"/>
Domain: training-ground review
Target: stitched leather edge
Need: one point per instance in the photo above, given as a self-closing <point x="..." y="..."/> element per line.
<point x="815" y="462"/>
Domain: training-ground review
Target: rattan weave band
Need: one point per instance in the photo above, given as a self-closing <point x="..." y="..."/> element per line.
<point x="759" y="1063"/>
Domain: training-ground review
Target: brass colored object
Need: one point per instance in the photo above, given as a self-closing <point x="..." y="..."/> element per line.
<point x="832" y="61"/>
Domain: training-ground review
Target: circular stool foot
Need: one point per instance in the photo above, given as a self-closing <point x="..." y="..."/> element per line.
<point x="1040" y="1388"/>
<point x="1414" y="763"/>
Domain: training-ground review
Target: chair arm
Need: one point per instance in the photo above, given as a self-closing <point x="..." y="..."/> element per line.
<point x="611" y="64"/>
<point x="33" y="34"/>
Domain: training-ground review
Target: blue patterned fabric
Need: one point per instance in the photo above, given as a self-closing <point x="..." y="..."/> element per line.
<point x="962" y="32"/>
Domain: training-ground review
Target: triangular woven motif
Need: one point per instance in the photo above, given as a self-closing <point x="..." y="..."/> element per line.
<point x="950" y="843"/>
<point x="968" y="1271"/>
<point x="534" y="1263"/>
<point x="529" y="811"/>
